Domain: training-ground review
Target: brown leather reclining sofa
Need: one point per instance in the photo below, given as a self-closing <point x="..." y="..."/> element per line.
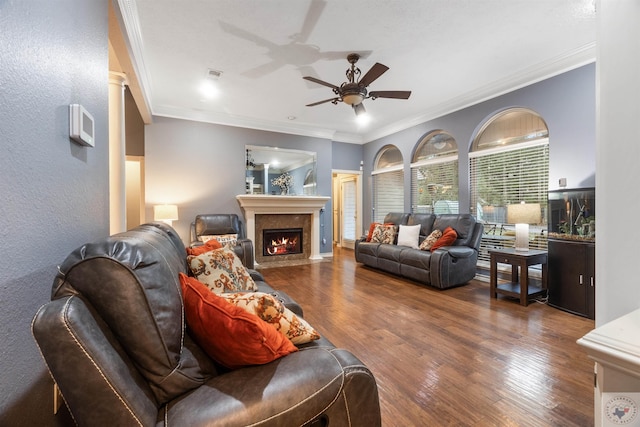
<point x="114" y="339"/>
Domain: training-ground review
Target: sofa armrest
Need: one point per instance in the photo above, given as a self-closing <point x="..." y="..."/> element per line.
<point x="311" y="384"/>
<point x="100" y="384"/>
<point x="244" y="250"/>
<point x="452" y="266"/>
<point x="460" y="251"/>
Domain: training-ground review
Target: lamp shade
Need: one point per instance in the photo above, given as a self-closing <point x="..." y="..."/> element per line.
<point x="524" y="213"/>
<point x="165" y="212"/>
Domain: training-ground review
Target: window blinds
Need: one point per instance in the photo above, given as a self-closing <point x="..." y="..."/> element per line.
<point x="434" y="185"/>
<point x="499" y="177"/>
<point x="388" y="193"/>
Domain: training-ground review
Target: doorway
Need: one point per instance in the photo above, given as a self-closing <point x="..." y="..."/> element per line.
<point x="347" y="207"/>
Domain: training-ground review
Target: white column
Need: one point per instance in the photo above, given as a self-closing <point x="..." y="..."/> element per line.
<point x="117" y="151"/>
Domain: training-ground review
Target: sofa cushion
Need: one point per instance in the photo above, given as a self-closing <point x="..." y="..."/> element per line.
<point x="221" y="270"/>
<point x="384" y="234"/>
<point x="390" y="252"/>
<point x="425" y="221"/>
<point x="432" y="238"/>
<point x="464" y="224"/>
<point x="448" y="237"/>
<point x="227" y="333"/>
<point x="396" y="218"/>
<point x="271" y="310"/>
<point x="416" y="258"/>
<point x="409" y="235"/>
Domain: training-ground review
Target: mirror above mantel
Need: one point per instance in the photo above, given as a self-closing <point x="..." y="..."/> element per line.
<point x="265" y="164"/>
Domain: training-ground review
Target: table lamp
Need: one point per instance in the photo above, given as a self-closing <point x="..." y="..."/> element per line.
<point x="165" y="213"/>
<point x="523" y="214"/>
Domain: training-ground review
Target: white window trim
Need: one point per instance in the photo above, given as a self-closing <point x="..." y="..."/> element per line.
<point x="512" y="147"/>
<point x="388" y="169"/>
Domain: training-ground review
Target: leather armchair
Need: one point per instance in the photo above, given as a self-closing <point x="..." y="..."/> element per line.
<point x="115" y="341"/>
<point x="220" y="224"/>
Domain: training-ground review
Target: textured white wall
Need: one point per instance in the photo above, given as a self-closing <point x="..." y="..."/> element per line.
<point x="53" y="192"/>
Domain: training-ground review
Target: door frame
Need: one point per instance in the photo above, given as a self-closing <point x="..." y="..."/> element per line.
<point x="336" y="198"/>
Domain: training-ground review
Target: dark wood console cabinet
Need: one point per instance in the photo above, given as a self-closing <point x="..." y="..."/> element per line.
<point x="571" y="281"/>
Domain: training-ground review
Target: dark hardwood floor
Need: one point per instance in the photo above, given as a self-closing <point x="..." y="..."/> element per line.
<point x="448" y="358"/>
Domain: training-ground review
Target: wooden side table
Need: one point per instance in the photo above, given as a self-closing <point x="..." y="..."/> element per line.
<point x="519" y="287"/>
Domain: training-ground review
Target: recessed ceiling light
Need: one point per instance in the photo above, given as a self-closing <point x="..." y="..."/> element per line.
<point x="209" y="89"/>
<point x="291" y="117"/>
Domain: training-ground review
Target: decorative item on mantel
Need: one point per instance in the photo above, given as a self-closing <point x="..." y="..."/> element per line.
<point x="284" y="181"/>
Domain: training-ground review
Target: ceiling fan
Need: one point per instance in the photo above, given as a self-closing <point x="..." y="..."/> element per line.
<point x="354" y="91"/>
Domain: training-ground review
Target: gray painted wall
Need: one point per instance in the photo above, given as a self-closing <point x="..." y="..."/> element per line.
<point x="54" y="192"/>
<point x="566" y="102"/>
<point x="201" y="168"/>
<point x="346" y="157"/>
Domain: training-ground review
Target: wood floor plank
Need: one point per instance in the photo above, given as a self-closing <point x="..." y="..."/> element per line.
<point x="448" y="357"/>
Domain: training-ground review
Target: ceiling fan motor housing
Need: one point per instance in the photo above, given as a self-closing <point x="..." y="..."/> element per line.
<point x="352" y="93"/>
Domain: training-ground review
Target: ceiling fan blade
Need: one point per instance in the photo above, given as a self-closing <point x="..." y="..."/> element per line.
<point x="359" y="109"/>
<point x="310" y="21"/>
<point x="322" y="102"/>
<point x="376" y="71"/>
<point x="320" y="82"/>
<point x="398" y="94"/>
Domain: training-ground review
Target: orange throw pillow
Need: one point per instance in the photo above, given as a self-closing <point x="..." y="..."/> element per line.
<point x="449" y="236"/>
<point x="371" y="228"/>
<point x="208" y="246"/>
<point x="229" y="334"/>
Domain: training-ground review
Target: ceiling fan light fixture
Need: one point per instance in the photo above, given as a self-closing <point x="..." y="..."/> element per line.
<point x="352" y="98"/>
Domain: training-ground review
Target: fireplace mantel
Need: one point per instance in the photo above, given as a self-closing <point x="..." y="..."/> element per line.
<point x="259" y="204"/>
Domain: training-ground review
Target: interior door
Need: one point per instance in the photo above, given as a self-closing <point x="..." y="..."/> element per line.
<point x="348" y="211"/>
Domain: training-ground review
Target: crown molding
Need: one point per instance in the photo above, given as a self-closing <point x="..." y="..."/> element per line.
<point x="528" y="76"/>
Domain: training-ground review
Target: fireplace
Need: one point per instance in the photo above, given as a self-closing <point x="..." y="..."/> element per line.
<point x="282" y="241"/>
<point x="265" y="211"/>
<point x="271" y="230"/>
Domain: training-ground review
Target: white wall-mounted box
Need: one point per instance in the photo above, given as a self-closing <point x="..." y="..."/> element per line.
<point x="81" y="125"/>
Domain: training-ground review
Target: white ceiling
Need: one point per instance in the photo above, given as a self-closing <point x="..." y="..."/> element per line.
<point x="449" y="53"/>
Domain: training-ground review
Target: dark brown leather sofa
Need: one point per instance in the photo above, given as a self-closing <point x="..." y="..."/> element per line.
<point x="443" y="268"/>
<point x="114" y="339"/>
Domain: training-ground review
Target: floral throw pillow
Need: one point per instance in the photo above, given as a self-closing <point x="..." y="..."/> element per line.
<point x="428" y="242"/>
<point x="221" y="271"/>
<point x="271" y="310"/>
<point x="223" y="239"/>
<point x="384" y="234"/>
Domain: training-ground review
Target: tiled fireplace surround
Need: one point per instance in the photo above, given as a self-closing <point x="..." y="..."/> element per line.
<point x="268" y="211"/>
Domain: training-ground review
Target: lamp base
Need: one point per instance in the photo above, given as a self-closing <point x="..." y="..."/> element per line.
<point x="522" y="237"/>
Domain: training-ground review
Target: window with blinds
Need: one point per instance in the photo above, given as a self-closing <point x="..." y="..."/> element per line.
<point x="388" y="194"/>
<point x="434" y="174"/>
<point x="509" y="164"/>
<point x="387" y="183"/>
<point x="434" y="186"/>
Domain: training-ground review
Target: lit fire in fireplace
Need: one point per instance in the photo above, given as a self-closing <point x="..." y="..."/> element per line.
<point x="282" y="246"/>
<point x="282" y="242"/>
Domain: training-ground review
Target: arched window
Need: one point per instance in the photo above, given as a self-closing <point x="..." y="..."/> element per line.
<point x="388" y="182"/>
<point x="509" y="164"/>
<point x="434" y="174"/>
